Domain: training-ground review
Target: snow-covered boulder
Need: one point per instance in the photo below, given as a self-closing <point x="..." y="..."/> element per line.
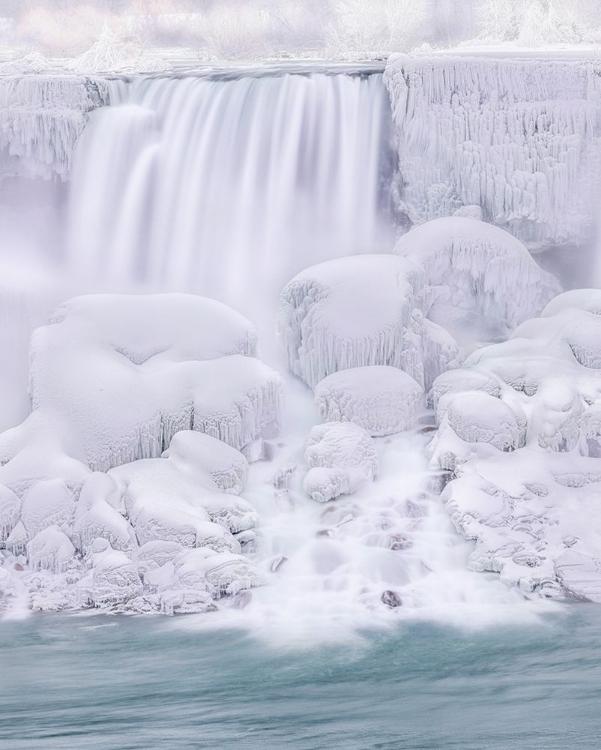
<point x="383" y="400"/>
<point x="341" y="456"/>
<point x="360" y="311"/>
<point x="477" y="276"/>
<point x="174" y="361"/>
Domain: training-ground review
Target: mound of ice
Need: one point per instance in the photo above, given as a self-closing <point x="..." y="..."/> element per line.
<point x="382" y="400"/>
<point x="520" y="427"/>
<point x="477" y="275"/>
<point x="341" y="457"/>
<point x="109" y="54"/>
<point x="360" y="311"/>
<point x="159" y="392"/>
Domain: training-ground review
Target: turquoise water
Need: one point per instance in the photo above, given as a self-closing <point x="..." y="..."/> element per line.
<point x="138" y="683"/>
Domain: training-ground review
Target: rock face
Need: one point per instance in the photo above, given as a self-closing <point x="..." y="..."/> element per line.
<point x="341" y="457"/>
<point x="130" y="458"/>
<point x="41" y="118"/>
<point x="523" y="438"/>
<point x="518" y="137"/>
<point x="383" y="400"/>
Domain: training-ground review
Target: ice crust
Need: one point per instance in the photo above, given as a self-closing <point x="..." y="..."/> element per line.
<point x="517" y="136"/>
<point x="382" y="400"/>
<point x="41" y="118"/>
<point x="341" y="456"/>
<point x="520" y="430"/>
<point x="130" y="460"/>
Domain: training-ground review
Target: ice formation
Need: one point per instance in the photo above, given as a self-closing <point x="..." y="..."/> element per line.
<point x="520" y="428"/>
<point x="130" y="458"/>
<point x="341" y="456"/>
<point x="41" y="118"/>
<point x="515" y="135"/>
<point x="382" y="400"/>
<point x="361" y="311"/>
<point x="477" y="277"/>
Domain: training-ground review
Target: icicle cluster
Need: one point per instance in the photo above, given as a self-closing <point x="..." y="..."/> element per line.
<point x="41" y="118"/>
<point x="517" y="137"/>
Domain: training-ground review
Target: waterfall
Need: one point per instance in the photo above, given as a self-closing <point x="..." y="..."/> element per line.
<point x="228" y="186"/>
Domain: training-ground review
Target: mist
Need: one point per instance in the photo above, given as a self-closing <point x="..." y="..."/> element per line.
<point x="255" y="29"/>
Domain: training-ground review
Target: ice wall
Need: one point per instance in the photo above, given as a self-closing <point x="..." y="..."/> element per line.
<point x="519" y="137"/>
<point x="41" y="118"/>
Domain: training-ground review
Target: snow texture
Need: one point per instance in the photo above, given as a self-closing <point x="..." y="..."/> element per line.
<point x="41" y="118"/>
<point x="360" y="311"/>
<point x="129" y="459"/>
<point x="382" y="400"/>
<point x="517" y="136"/>
<point x="520" y="428"/>
<point x="341" y="456"/>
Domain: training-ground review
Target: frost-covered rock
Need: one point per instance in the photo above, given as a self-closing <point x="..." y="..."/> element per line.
<point x="50" y="549"/>
<point x="383" y="400"/>
<point x="477" y="276"/>
<point x="360" y="311"/>
<point x="10" y="512"/>
<point x="520" y="427"/>
<point x="341" y="456"/>
<point x="41" y="118"/>
<point x="518" y="136"/>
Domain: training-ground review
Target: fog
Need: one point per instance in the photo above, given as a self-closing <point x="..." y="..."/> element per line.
<point x="250" y="29"/>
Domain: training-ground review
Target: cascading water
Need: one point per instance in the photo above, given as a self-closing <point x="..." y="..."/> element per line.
<point x="229" y="186"/>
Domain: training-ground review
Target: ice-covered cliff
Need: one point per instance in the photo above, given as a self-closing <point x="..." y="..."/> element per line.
<point x="41" y="118"/>
<point x="519" y="136"/>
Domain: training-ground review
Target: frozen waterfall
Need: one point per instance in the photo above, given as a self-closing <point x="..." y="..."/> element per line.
<point x="223" y="184"/>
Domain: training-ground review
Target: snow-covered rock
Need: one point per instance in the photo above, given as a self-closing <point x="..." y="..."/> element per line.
<point x="360" y="311"/>
<point x="341" y="456"/>
<point x="518" y="136"/>
<point x="477" y="276"/>
<point x="520" y="427"/>
<point x="383" y="400"/>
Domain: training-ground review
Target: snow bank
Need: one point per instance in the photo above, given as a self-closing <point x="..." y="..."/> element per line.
<point x="477" y="276"/>
<point x="519" y="137"/>
<point x="41" y="118"/>
<point x="382" y="400"/>
<point x="520" y="427"/>
<point x="340" y="457"/>
<point x="159" y="392"/>
<point x="360" y="311"/>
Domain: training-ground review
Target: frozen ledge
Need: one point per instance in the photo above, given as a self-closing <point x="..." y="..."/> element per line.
<point x="513" y="131"/>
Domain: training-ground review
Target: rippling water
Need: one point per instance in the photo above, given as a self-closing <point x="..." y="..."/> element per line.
<point x="140" y="684"/>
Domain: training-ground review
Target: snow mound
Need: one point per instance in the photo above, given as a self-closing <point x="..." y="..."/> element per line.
<point x="130" y="455"/>
<point x="341" y="456"/>
<point x="476" y="271"/>
<point x="520" y="428"/>
<point x="360" y="311"/>
<point x="382" y="400"/>
<point x="518" y="136"/>
<point x="109" y="54"/>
